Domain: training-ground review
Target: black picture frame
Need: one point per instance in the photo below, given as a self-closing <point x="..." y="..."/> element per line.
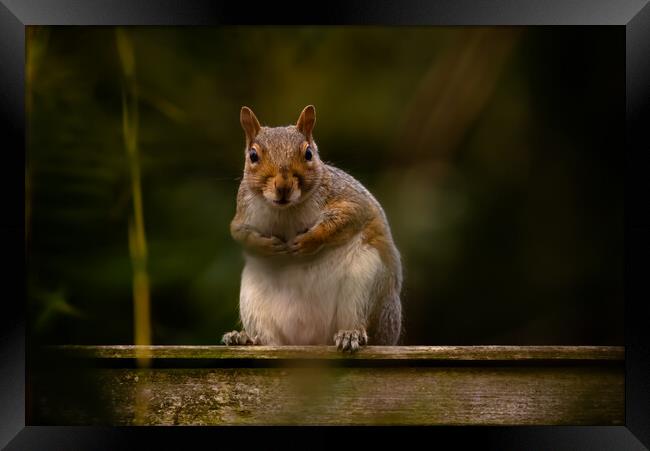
<point x="634" y="15"/>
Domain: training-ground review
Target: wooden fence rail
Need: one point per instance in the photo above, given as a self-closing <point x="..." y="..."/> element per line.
<point x="218" y="385"/>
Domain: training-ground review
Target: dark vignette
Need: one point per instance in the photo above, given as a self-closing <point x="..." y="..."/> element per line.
<point x="200" y="12"/>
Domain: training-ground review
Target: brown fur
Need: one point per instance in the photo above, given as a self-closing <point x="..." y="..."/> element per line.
<point x="283" y="178"/>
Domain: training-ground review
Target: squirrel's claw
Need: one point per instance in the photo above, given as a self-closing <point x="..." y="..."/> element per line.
<point x="302" y="245"/>
<point x="235" y="338"/>
<point x="269" y="245"/>
<point x="277" y="246"/>
<point x="350" y="340"/>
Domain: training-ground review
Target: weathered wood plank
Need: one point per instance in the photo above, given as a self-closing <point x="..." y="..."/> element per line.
<point x="452" y="353"/>
<point x="360" y="396"/>
<point x="439" y="385"/>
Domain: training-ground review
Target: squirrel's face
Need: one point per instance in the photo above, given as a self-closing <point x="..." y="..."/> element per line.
<point x="282" y="163"/>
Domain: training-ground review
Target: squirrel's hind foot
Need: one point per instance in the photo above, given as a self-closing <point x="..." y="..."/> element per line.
<point x="350" y="340"/>
<point x="235" y="338"/>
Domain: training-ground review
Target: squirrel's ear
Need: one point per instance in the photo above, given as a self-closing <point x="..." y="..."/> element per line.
<point x="249" y="123"/>
<point x="306" y="121"/>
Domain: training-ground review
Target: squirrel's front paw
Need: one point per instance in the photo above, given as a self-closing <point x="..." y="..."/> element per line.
<point x="274" y="245"/>
<point x="239" y="338"/>
<point x="267" y="245"/>
<point x="350" y="340"/>
<point x="304" y="244"/>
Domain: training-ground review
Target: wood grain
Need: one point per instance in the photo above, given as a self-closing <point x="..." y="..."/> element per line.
<point x="568" y="392"/>
<point x="452" y="353"/>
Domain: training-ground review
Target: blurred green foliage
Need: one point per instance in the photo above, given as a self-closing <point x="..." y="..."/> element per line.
<point x="496" y="153"/>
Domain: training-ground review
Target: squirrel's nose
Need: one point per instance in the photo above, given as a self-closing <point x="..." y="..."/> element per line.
<point x="282" y="188"/>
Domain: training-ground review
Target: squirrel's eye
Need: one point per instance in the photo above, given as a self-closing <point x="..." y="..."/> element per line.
<point x="253" y="155"/>
<point x="308" y="153"/>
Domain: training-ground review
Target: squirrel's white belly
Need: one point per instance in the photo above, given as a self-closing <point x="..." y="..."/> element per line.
<point x="306" y="302"/>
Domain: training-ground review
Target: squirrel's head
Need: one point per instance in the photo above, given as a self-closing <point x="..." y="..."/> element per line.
<point x="282" y="163"/>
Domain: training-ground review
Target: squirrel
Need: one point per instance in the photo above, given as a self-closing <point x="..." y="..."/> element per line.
<point x="321" y="267"/>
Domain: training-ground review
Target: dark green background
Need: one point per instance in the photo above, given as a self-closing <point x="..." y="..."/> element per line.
<point x="496" y="153"/>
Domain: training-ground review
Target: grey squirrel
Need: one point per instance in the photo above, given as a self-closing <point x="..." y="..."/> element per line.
<point x="321" y="267"/>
